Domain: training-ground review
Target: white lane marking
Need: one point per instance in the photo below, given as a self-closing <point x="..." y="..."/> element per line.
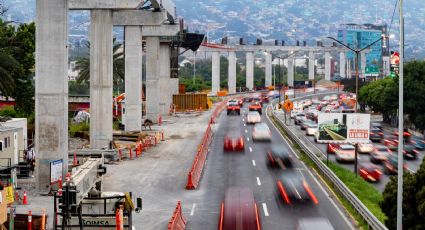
<point x="253" y="163"/>
<point x="258" y="181"/>
<point x="243" y="119"/>
<point x="247" y="138"/>
<point x="192" y="211"/>
<point x="244" y="124"/>
<point x="250" y="149"/>
<point x="266" y="212"/>
<point x="246" y="131"/>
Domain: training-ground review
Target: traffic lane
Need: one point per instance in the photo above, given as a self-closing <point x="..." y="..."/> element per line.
<point x="226" y="169"/>
<point x="362" y="158"/>
<point x="326" y="208"/>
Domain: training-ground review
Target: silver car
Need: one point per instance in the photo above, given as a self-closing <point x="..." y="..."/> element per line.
<point x="261" y="132"/>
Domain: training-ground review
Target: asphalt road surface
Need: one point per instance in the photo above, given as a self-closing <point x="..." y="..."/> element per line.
<point x="249" y="169"/>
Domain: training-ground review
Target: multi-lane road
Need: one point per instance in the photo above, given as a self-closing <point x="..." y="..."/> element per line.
<point x="412" y="165"/>
<point x="249" y="169"/>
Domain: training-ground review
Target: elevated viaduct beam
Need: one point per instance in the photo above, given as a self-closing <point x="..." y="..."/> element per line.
<point x="51" y="88"/>
<point x="103" y="4"/>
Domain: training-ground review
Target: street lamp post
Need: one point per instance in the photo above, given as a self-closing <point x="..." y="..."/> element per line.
<point x="357" y="52"/>
<point x="400" y="125"/>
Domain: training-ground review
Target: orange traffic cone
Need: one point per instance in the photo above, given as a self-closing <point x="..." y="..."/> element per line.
<point x="162" y="136"/>
<point x="25" y="199"/>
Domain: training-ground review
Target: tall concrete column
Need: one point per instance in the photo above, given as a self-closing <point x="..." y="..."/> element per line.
<point x="51" y="88"/>
<point x="164" y="80"/>
<point x="101" y="78"/>
<point x="362" y="64"/>
<point x="250" y="70"/>
<point x="152" y="78"/>
<point x="327" y="66"/>
<point x="133" y="78"/>
<point x="291" y="71"/>
<point x="215" y="72"/>
<point x="342" y="64"/>
<point x="311" y="62"/>
<point x="231" y="81"/>
<point x="268" y="70"/>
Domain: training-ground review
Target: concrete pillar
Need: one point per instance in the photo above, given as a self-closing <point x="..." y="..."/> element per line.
<point x="51" y="88"/>
<point x="133" y="78"/>
<point x="311" y="62"/>
<point x="250" y="70"/>
<point x="291" y="71"/>
<point x="362" y="69"/>
<point x="342" y="64"/>
<point x="164" y="78"/>
<point x="327" y="66"/>
<point x="231" y="81"/>
<point x="174" y="87"/>
<point x="101" y="78"/>
<point x="215" y="72"/>
<point x="152" y="78"/>
<point x="268" y="70"/>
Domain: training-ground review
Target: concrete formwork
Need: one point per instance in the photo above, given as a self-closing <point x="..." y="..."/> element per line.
<point x="51" y="88"/>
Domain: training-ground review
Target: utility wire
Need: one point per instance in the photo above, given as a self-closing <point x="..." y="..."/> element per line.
<point x="392" y="18"/>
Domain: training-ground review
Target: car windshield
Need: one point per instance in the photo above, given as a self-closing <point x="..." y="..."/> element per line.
<point x="347" y="147"/>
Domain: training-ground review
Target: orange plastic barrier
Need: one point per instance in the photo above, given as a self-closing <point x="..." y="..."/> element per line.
<point x="217" y="112"/>
<point x="177" y="221"/>
<point x="195" y="172"/>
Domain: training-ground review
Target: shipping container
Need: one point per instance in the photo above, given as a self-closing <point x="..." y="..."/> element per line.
<point x="187" y="102"/>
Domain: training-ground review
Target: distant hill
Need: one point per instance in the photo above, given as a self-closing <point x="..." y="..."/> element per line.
<point x="288" y="20"/>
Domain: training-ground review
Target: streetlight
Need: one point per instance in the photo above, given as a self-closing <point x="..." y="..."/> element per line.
<point x="357" y="52"/>
<point x="400" y="124"/>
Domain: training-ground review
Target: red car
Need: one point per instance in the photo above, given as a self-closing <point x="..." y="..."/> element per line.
<point x="332" y="148"/>
<point x="233" y="106"/>
<point x="370" y="172"/>
<point x="255" y="106"/>
<point x="292" y="187"/>
<point x="391" y="144"/>
<point x="239" y="210"/>
<point x="234" y="142"/>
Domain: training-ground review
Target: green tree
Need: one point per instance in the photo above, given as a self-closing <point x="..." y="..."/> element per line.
<point x="9" y="66"/>
<point x="414" y="93"/>
<point x="24" y="90"/>
<point x="413" y="200"/>
<point x="83" y="64"/>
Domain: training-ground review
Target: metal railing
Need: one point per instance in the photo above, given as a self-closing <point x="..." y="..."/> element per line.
<point x="360" y="208"/>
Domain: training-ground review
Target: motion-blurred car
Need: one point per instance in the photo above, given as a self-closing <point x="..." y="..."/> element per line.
<point x="379" y="154"/>
<point x="391" y="165"/>
<point x="418" y="143"/>
<point x="255" y="106"/>
<point x="279" y="156"/>
<point x="345" y="153"/>
<point x="376" y="125"/>
<point x="370" y="172"/>
<point x="314" y="224"/>
<point x="240" y="102"/>
<point x="233" y="107"/>
<point x="376" y="135"/>
<point x="261" y="132"/>
<point x="234" y="141"/>
<point x="305" y="123"/>
<point x="239" y="210"/>
<point x="253" y="117"/>
<point x="311" y="129"/>
<point x="298" y="118"/>
<point x="409" y="151"/>
<point x="332" y="147"/>
<point x="292" y="187"/>
<point x="391" y="144"/>
<point x="365" y="148"/>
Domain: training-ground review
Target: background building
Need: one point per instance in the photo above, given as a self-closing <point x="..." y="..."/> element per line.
<point x="360" y="36"/>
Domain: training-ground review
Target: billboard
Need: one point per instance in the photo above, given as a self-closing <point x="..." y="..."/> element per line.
<point x="343" y="128"/>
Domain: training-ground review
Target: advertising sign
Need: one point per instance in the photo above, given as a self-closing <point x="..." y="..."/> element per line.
<point x="343" y="128"/>
<point x="55" y="171"/>
<point x="395" y="62"/>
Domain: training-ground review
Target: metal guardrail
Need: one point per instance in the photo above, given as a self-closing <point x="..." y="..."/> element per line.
<point x="370" y="219"/>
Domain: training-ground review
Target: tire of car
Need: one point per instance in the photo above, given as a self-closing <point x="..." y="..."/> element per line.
<point x="239" y="112"/>
<point x="228" y="112"/>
